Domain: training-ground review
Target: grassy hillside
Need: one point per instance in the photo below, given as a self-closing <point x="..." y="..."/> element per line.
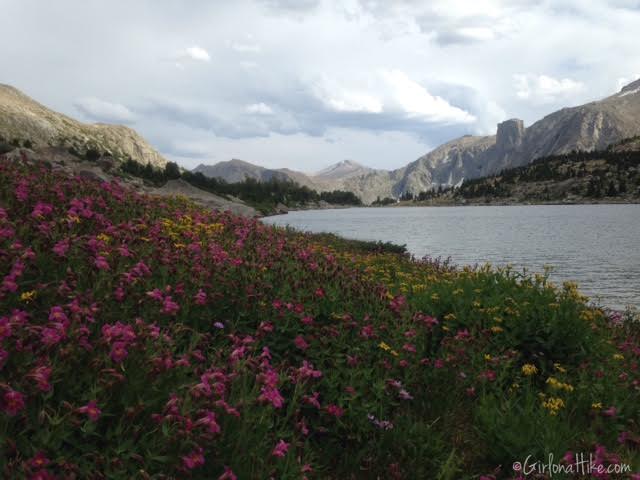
<point x="142" y="338"/>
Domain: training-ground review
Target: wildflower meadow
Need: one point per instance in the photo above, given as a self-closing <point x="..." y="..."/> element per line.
<point x="150" y="338"/>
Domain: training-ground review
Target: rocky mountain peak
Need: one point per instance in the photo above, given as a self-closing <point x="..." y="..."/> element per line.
<point x="510" y="134"/>
<point x="633" y="87"/>
<point x="342" y="169"/>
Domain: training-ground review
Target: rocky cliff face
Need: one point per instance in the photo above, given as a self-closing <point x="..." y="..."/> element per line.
<point x="25" y="120"/>
<point x="593" y="126"/>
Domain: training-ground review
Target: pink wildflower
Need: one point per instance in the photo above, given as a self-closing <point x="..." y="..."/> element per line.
<point x="200" y="298"/>
<point x="271" y="395"/>
<point x="301" y="343"/>
<point x="91" y="410"/>
<point x="101" y="263"/>
<point x="13" y="402"/>
<point x="119" y="352"/>
<point x="169" y="306"/>
<point x="51" y="336"/>
<point x="42" y="376"/>
<point x="39" y="460"/>
<point x="281" y="449"/>
<point x="193" y="459"/>
<point x="56" y="314"/>
<point x="5" y="328"/>
<point x="209" y="421"/>
<point x="227" y="474"/>
<point x="335" y="410"/>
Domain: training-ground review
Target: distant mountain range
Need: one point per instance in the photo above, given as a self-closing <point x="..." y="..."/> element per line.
<point x="25" y="122"/>
<point x="592" y="126"/>
<point x="330" y="178"/>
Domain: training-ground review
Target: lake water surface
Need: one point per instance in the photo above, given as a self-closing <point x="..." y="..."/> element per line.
<point x="596" y="245"/>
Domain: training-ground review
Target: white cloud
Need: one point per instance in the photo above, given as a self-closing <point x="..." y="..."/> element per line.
<point x="190" y="54"/>
<point x="416" y="101"/>
<point x="103" y="111"/>
<point x="545" y="89"/>
<point x="465" y="35"/>
<point x="259" y="109"/>
<point x="248" y="65"/>
<point x="245" y="47"/>
<point x="354" y="102"/>
<point x="337" y="97"/>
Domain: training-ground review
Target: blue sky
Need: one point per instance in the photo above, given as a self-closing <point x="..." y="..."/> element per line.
<point x="306" y="83"/>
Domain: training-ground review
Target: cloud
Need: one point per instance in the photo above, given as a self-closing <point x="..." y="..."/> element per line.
<point x="248" y="65"/>
<point x="259" y="109"/>
<point x="319" y="66"/>
<point x="417" y="102"/>
<point x="102" y="111"/>
<point x="191" y="54"/>
<point x="339" y="99"/>
<point x="465" y="35"/>
<point x="545" y="89"/>
<point x="291" y="6"/>
<point x="245" y="47"/>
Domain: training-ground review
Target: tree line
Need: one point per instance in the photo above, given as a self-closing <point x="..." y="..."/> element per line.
<point x="262" y="194"/>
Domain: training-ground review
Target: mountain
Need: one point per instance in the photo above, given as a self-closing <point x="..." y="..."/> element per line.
<point x="26" y="122"/>
<point x="237" y="170"/>
<point x="589" y="127"/>
<point x="330" y="178"/>
<point x="342" y="170"/>
<point x="611" y="175"/>
<point x="593" y="126"/>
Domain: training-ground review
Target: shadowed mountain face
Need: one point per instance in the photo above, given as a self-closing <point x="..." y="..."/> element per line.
<point x="23" y="119"/>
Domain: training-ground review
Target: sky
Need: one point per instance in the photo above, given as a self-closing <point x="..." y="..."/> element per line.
<point x="304" y="84"/>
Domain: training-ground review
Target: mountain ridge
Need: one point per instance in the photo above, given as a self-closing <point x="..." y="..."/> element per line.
<point x="24" y="120"/>
<point x="592" y="126"/>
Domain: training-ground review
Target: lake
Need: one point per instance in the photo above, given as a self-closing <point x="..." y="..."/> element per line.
<point x="597" y="246"/>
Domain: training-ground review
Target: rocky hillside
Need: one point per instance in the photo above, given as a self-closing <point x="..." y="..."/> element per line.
<point x="611" y="175"/>
<point x="25" y="122"/>
<point x="589" y="127"/>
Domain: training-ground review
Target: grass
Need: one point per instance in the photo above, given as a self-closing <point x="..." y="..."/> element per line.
<point x="148" y="338"/>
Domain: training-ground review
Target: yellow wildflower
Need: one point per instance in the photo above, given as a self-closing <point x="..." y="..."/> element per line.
<point x="529" y="369"/>
<point x="556" y="384"/>
<point x="28" y="296"/>
<point x="553" y="404"/>
<point x="497" y="329"/>
<point x="103" y="237"/>
<point x="559" y="368"/>
<point x="596" y="406"/>
<point x="618" y="356"/>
